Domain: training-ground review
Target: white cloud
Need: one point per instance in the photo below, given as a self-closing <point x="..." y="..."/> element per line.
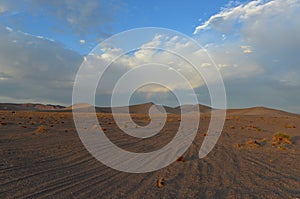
<point x="263" y="40"/>
<point x="246" y="49"/>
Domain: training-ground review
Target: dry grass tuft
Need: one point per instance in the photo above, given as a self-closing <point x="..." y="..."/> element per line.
<point x="41" y="129"/>
<point x="160" y="183"/>
<point x="253" y="143"/>
<point x="281" y="138"/>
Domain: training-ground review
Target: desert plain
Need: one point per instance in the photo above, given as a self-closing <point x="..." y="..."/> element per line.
<point x="256" y="156"/>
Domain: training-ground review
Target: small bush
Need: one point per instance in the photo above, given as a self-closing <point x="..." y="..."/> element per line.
<point x="281" y="138"/>
<point x="160" y="183"/>
<point x="253" y="143"/>
<point x="41" y="129"/>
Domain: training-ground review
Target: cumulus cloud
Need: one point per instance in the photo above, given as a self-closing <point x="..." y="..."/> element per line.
<point x="262" y="41"/>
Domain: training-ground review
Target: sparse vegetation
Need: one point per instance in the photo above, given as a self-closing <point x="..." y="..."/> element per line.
<point x="160" y="183"/>
<point x="41" y="129"/>
<point x="253" y="143"/>
<point x="281" y="138"/>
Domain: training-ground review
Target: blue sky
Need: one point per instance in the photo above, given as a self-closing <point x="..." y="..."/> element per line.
<point x="254" y="44"/>
<point x="121" y="16"/>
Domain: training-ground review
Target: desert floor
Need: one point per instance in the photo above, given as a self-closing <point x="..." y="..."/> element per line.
<point x="42" y="156"/>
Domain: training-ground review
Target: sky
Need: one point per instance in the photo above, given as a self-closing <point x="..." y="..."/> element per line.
<point x="254" y="44"/>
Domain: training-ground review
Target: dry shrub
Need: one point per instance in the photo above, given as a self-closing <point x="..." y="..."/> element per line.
<point x="281" y="138"/>
<point x="160" y="183"/>
<point x="253" y="143"/>
<point x="238" y="146"/>
<point x="41" y="129"/>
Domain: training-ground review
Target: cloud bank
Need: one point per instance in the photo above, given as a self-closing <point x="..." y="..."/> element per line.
<point x="263" y="38"/>
<point x="35" y="69"/>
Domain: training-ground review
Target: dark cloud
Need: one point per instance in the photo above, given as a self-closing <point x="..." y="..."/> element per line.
<point x="35" y="68"/>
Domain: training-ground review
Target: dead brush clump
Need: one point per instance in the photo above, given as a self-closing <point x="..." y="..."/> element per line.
<point x="160" y="183"/>
<point x="253" y="143"/>
<point x="40" y="130"/>
<point x="256" y="143"/>
<point x="281" y="139"/>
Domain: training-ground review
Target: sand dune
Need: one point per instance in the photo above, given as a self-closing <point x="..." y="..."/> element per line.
<point x="141" y="108"/>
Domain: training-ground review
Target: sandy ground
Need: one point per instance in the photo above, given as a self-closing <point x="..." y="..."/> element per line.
<point x="51" y="162"/>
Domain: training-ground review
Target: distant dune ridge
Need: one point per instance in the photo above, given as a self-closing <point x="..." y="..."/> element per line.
<point x="138" y="109"/>
<point x="29" y="107"/>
